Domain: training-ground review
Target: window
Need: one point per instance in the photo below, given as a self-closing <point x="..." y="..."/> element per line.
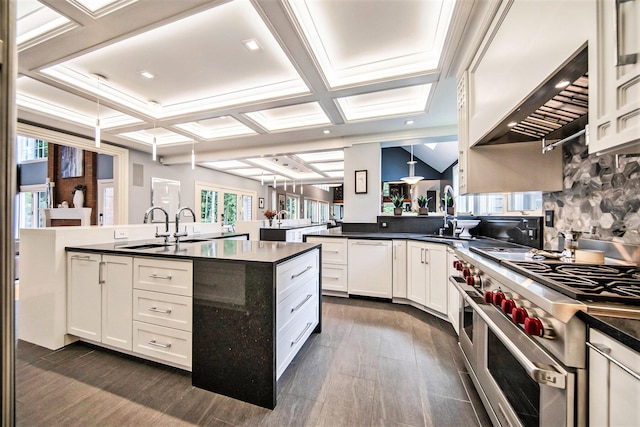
<point x="28" y="205"/>
<point x="311" y="210"/>
<point x="525" y="201"/>
<point x="224" y="205"/>
<point x="292" y="206"/>
<point x="31" y="149"/>
<point x="324" y="211"/>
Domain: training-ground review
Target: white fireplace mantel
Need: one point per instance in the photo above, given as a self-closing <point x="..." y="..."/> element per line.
<point x="83" y="214"/>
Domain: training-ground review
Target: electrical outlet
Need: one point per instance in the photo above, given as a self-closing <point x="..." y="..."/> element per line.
<point x="383" y="225"/>
<point x="120" y="234"/>
<point x="548" y="218"/>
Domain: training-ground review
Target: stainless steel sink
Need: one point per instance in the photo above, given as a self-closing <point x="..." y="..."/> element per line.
<point x="148" y="246"/>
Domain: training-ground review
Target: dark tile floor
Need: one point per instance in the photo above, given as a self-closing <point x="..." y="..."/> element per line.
<point x="375" y="364"/>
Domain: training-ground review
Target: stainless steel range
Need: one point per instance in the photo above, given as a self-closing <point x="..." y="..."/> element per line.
<point x="524" y="346"/>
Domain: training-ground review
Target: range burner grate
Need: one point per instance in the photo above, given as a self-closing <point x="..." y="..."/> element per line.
<point x="585" y="282"/>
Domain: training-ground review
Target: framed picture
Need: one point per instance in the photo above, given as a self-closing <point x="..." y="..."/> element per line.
<point x="281" y="202"/>
<point x="361" y="182"/>
<point x="260" y="202"/>
<point x="71" y="162"/>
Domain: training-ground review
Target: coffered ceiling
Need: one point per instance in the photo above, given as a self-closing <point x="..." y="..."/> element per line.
<point x="250" y="85"/>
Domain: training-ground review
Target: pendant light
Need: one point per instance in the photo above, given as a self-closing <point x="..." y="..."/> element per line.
<point x="193" y="156"/>
<point x="285" y="184"/>
<point x="412" y="179"/>
<point x="154" y="142"/>
<point x="98" y="135"/>
<point x="294" y="185"/>
<point x="262" y="179"/>
<point x="274" y="181"/>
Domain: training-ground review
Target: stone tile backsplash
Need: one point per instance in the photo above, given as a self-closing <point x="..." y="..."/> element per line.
<point x="598" y="195"/>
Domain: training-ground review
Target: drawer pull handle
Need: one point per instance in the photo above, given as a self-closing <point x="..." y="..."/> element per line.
<point x="158" y="310"/>
<point x="301" y="334"/>
<point x="604" y="352"/>
<point x="157" y="344"/>
<point x="157" y="276"/>
<point x="293" y="276"/>
<point x="81" y="257"/>
<point x="331" y="277"/>
<point x="297" y="307"/>
<point x="333" y="252"/>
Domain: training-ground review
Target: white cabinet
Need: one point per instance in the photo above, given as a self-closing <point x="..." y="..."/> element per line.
<point x="614" y="382"/>
<point x="163" y="310"/>
<point x="453" y="299"/>
<point x="99" y="298"/>
<point x="399" y="268"/>
<point x="297" y="306"/>
<point x="427" y="275"/>
<point x="334" y="265"/>
<point x="614" y="90"/>
<point x="370" y="268"/>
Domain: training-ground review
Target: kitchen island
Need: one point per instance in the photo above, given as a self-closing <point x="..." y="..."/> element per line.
<point x="254" y="304"/>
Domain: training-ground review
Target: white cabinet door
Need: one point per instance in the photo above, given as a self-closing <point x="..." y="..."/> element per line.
<point x="613" y="392"/>
<point x="117" y="299"/>
<point x="370" y="268"/>
<point x="399" y="269"/>
<point x="84" y="295"/>
<point x="437" y="284"/>
<point x="614" y="90"/>
<point x="416" y="273"/>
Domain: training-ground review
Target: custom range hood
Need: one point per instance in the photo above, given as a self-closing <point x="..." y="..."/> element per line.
<point x="553" y="112"/>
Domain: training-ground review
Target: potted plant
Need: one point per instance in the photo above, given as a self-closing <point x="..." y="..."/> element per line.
<point x="269" y="214"/>
<point x="449" y="204"/>
<point x="397" y="203"/>
<point x="78" y="195"/>
<point x="422" y="205"/>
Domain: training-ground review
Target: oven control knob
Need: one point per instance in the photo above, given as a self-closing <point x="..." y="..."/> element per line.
<point x="533" y="326"/>
<point x="497" y="298"/>
<point x="507" y="306"/>
<point x="519" y="315"/>
<point x="466" y="272"/>
<point x="457" y="265"/>
<point x="488" y="297"/>
<point x="471" y="280"/>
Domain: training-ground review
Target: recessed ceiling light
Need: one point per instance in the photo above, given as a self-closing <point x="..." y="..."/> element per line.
<point x="409" y="122"/>
<point x="563" y="83"/>
<point x="431" y="145"/>
<point x="223" y="117"/>
<point x="512" y="124"/>
<point x="251" y="44"/>
<point x="146" y="74"/>
<point x="326" y="131"/>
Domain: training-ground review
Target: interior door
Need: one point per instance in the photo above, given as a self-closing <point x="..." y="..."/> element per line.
<point x="105" y="202"/>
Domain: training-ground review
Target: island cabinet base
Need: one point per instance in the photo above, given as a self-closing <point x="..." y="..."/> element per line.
<point x="235" y="330"/>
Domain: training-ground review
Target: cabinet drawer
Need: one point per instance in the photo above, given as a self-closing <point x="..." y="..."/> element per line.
<point x="334" y="277"/>
<point x="173" y="311"/>
<point x="334" y="251"/>
<point x="293" y="337"/>
<point x="161" y="275"/>
<point x="296" y="302"/>
<point x="294" y="272"/>
<point x="162" y="343"/>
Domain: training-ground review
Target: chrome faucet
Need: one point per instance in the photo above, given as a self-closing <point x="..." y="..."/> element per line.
<point x="166" y="233"/>
<point x="282" y="212"/>
<point x="177" y="234"/>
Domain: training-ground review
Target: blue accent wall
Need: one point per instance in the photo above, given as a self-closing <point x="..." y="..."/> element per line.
<point x="394" y="165"/>
<point x="447" y="174"/>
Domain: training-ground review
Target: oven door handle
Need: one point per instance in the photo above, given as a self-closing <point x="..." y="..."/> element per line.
<point x="543" y="374"/>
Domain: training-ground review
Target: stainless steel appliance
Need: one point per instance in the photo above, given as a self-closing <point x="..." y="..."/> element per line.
<point x="524" y="348"/>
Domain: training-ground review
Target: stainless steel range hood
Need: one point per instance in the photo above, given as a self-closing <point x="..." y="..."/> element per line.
<point x="551" y="112"/>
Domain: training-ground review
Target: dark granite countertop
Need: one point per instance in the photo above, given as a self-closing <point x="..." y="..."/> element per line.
<point x="293" y="227"/>
<point x="447" y="240"/>
<point x="231" y="250"/>
<point x="627" y="331"/>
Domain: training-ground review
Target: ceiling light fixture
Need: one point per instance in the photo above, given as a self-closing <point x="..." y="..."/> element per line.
<point x="262" y="179"/>
<point x="146" y="74"/>
<point x="431" y="145"/>
<point x="326" y="131"/>
<point x="98" y="132"/>
<point x="563" y="83"/>
<point x="251" y="44"/>
<point x="409" y="122"/>
<point x="294" y="185"/>
<point x="512" y="124"/>
<point x="274" y="181"/>
<point x="285" y="184"/>
<point x="412" y="179"/>
<point x="301" y="189"/>
<point x="154" y="144"/>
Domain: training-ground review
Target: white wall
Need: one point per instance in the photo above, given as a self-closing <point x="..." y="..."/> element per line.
<point x="362" y="207"/>
<point x="140" y="197"/>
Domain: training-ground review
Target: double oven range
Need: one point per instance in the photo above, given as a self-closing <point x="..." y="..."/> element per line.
<point x="523" y="345"/>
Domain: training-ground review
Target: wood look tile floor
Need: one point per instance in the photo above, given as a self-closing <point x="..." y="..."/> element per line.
<point x="375" y="364"/>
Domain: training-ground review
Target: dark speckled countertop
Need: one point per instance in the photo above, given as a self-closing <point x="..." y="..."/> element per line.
<point x="627" y="331"/>
<point x="231" y="250"/>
